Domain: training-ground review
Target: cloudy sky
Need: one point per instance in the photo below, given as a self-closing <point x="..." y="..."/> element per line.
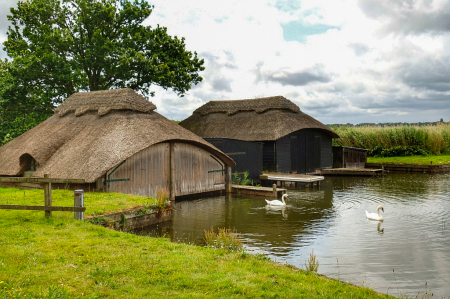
<point x="341" y="61"/>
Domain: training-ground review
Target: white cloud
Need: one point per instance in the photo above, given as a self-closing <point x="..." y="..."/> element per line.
<point x="357" y="60"/>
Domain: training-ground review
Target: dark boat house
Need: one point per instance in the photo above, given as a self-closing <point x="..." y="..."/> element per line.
<point x="267" y="134"/>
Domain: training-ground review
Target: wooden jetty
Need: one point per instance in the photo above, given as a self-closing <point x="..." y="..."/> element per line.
<point x="295" y="180"/>
<point x="258" y="191"/>
<point x="352" y="171"/>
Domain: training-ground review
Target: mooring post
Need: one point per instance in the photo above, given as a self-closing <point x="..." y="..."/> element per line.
<point x="48" y="196"/>
<point x="78" y="201"/>
<point x="228" y="181"/>
<point x="274" y="187"/>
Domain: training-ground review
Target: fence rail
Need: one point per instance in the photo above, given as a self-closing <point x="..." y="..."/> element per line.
<point x="47" y="181"/>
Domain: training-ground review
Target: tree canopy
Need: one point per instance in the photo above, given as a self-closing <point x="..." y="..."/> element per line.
<point x="59" y="47"/>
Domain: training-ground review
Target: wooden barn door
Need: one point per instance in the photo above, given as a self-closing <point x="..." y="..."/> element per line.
<point x="143" y="173"/>
<point x="305" y="151"/>
<point x="300" y="149"/>
<point x="196" y="170"/>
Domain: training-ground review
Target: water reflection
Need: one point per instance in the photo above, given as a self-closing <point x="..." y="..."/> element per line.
<point x="413" y="240"/>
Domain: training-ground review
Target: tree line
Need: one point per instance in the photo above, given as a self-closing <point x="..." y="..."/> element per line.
<point x="56" y="48"/>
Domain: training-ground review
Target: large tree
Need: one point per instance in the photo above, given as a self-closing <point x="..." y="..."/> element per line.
<point x="58" y="47"/>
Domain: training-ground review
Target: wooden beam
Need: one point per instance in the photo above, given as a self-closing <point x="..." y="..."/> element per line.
<point x="48" y="197"/>
<point x="172" y="171"/>
<point x="42" y="208"/>
<point x="41" y="180"/>
<point x="228" y="182"/>
<point x="236" y="153"/>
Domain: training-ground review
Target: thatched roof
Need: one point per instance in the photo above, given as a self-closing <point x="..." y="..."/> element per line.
<point x="104" y="102"/>
<point x="263" y="119"/>
<point x="86" y="145"/>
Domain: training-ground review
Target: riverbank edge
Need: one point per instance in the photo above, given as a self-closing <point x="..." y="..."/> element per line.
<point x="77" y="259"/>
<point x="410" y="168"/>
<point x="133" y="218"/>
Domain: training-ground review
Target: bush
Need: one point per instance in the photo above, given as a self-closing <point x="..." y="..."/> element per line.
<point x="397" y="151"/>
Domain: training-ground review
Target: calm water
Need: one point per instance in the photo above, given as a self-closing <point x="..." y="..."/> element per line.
<point x="406" y="255"/>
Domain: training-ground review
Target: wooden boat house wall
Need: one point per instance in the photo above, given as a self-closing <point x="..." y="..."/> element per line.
<point x="349" y="157"/>
<point x="115" y="141"/>
<point x="265" y="134"/>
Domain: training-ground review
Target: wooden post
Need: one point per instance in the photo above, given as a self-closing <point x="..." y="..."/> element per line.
<point x="228" y="182"/>
<point x="99" y="183"/>
<point x="78" y="201"/>
<point x="172" y="171"/>
<point x="274" y="187"/>
<point x="48" y="196"/>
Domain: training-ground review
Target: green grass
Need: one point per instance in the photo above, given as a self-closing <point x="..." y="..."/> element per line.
<point x="96" y="203"/>
<point x="59" y="257"/>
<point x="426" y="160"/>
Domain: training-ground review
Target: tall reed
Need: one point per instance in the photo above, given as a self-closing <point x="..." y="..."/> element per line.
<point x="434" y="139"/>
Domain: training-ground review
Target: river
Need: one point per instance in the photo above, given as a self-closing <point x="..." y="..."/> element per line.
<point x="408" y="254"/>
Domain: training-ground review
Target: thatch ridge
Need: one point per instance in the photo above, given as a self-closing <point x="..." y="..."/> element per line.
<point x="259" y="105"/>
<point x="104" y="101"/>
<point x="265" y="119"/>
<point x="87" y="146"/>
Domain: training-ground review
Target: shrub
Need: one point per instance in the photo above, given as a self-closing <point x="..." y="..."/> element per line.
<point x="225" y="238"/>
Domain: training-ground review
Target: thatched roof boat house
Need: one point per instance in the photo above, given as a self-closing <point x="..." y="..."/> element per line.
<point x="270" y="134"/>
<point x="114" y="139"/>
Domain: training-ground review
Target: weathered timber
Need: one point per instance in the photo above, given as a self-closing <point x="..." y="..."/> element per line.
<point x="48" y="197"/>
<point x="349" y="157"/>
<point x="180" y="167"/>
<point x="228" y="182"/>
<point x="78" y="201"/>
<point x="172" y="171"/>
<point x="42" y="208"/>
<point x="352" y="171"/>
<point x="47" y="182"/>
<point x="287" y="177"/>
<point x="40" y="180"/>
<point x="258" y="191"/>
<point x="236" y="153"/>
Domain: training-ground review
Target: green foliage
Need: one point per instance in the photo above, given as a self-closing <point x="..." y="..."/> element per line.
<point x="402" y="140"/>
<point x="244" y="180"/>
<point x="57" y="48"/>
<point x="235" y="179"/>
<point x="397" y="151"/>
<point x="312" y="264"/>
<point x="162" y="198"/>
<point x="224" y="238"/>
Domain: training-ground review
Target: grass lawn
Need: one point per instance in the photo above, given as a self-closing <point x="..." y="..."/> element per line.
<point x="59" y="257"/>
<point x="437" y="160"/>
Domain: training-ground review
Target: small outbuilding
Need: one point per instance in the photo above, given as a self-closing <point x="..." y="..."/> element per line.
<point x="264" y="134"/>
<point x="115" y="141"/>
<point x="349" y="157"/>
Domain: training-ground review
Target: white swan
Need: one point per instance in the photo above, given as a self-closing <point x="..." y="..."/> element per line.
<point x="276" y="202"/>
<point x="375" y="216"/>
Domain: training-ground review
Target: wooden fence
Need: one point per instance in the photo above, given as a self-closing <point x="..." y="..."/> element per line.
<point x="46" y="181"/>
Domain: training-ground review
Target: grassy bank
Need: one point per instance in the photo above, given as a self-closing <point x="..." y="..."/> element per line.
<point x="424" y="160"/>
<point x="434" y="140"/>
<point x="59" y="257"/>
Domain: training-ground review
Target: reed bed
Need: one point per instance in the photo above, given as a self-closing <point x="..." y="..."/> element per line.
<point x="432" y="139"/>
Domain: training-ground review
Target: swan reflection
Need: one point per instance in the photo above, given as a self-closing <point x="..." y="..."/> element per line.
<point x="379" y="229"/>
<point x="276" y="210"/>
